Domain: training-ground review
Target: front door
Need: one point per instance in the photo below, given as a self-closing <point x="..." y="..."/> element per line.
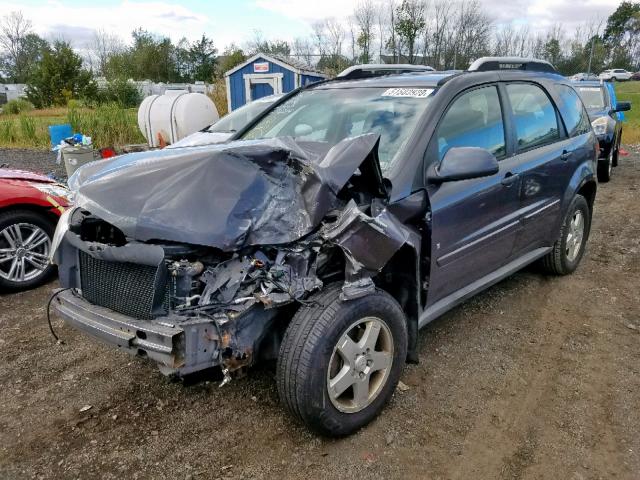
<point x="474" y="222"/>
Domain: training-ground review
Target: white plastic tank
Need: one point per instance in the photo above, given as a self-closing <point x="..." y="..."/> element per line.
<point x="170" y="117"/>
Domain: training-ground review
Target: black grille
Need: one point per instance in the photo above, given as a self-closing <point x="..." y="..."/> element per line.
<point x="139" y="291"/>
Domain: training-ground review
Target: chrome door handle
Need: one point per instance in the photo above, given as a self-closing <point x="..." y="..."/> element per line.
<point x="565" y="155"/>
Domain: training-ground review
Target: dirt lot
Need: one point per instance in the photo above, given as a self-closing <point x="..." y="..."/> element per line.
<point x="539" y="377"/>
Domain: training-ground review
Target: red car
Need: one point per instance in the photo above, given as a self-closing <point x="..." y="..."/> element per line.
<point x="30" y="205"/>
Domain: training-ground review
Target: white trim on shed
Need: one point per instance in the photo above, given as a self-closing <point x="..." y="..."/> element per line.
<point x="273" y="79"/>
<point x="227" y="83"/>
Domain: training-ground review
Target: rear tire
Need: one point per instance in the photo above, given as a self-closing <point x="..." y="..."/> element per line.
<point x="570" y="246"/>
<point x="328" y="370"/>
<point x="15" y="225"/>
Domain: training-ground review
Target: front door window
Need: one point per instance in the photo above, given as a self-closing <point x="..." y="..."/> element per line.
<point x="473" y="120"/>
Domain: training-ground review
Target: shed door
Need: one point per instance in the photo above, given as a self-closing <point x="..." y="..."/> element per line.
<point x="258" y="85"/>
<point x="259" y="90"/>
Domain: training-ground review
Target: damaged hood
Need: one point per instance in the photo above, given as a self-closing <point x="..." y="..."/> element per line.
<point x="226" y="196"/>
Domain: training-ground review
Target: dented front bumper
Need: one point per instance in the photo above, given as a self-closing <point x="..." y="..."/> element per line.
<point x="180" y="345"/>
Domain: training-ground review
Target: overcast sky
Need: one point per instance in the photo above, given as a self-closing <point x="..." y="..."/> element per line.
<point x="228" y="21"/>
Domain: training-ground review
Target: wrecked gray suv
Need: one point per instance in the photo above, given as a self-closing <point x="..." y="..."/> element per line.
<point x="333" y="227"/>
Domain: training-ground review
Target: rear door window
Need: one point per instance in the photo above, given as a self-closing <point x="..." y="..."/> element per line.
<point x="473" y="120"/>
<point x="534" y="115"/>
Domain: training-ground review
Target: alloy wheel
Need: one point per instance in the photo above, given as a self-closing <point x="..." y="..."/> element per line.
<point x="360" y="365"/>
<point x="575" y="236"/>
<point x="24" y="252"/>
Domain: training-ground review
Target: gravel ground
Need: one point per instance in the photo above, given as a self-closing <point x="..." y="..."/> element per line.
<point x="538" y="377"/>
<point x="40" y="161"/>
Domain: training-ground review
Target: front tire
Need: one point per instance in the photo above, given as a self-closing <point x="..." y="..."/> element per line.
<point x="340" y="361"/>
<point x="605" y="167"/>
<point x="616" y="153"/>
<point x="570" y="246"/>
<point x="25" y="243"/>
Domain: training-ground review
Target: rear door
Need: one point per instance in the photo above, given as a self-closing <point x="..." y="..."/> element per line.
<point x="547" y="154"/>
<point x="474" y="222"/>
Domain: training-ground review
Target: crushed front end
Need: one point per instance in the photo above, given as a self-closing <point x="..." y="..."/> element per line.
<point x="198" y="258"/>
<point x="186" y="307"/>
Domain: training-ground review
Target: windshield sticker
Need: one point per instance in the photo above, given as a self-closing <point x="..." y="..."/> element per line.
<point x="592" y="89"/>
<point x="408" y="92"/>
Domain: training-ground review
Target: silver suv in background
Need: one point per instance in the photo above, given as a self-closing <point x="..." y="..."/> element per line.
<point x="615" y="75"/>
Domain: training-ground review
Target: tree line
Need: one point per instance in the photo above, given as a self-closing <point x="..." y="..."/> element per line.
<point x="54" y="72"/>
<point x="445" y="34"/>
<point x="448" y="34"/>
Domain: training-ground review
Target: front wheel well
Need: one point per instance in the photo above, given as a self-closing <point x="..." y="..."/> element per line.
<point x="400" y="278"/>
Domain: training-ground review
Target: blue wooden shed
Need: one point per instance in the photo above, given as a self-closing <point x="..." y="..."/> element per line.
<point x="263" y="75"/>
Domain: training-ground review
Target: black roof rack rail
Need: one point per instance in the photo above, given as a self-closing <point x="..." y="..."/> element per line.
<point x="377" y="70"/>
<point x="486" y="64"/>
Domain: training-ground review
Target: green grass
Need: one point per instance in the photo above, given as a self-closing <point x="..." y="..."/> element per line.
<point x="108" y="125"/>
<point x="630" y="92"/>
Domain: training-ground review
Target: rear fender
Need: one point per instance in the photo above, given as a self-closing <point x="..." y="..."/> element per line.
<point x="582" y="182"/>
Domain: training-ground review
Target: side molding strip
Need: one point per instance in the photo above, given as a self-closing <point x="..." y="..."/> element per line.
<point x="450" y="301"/>
<point x="542" y="209"/>
<point x="449" y="257"/>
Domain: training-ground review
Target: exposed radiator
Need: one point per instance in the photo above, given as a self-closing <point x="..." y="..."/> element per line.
<point x="139" y="291"/>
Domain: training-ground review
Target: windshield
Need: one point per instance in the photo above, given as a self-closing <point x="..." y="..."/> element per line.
<point x="331" y="115"/>
<point x="237" y="119"/>
<point x="592" y="97"/>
